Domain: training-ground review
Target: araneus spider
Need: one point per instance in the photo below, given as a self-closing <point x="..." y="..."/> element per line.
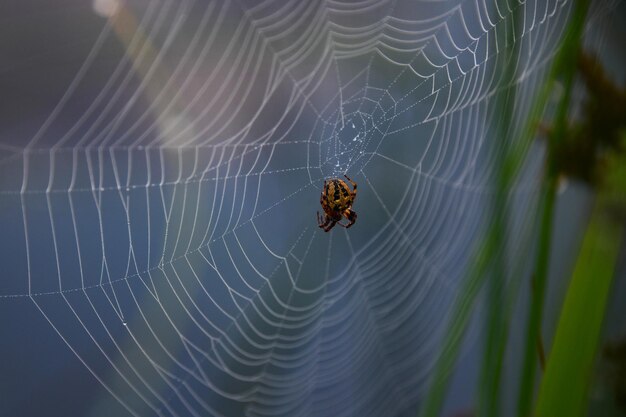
<point x="337" y="200"/>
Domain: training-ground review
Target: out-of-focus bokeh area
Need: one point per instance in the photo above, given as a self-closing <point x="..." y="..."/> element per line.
<point x="161" y="164"/>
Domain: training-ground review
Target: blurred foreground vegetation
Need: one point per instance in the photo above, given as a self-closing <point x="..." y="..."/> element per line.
<point x="588" y="146"/>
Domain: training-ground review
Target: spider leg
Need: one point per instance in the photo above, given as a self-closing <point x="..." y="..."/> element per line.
<point x="331" y="225"/>
<point x="327" y="224"/>
<point x="353" y="186"/>
<point x="351" y="216"/>
<point x="320" y="222"/>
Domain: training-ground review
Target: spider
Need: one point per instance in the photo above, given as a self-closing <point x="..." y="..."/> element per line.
<point x="337" y="200"/>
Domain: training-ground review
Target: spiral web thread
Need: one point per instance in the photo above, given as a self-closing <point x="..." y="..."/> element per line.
<point x="168" y="229"/>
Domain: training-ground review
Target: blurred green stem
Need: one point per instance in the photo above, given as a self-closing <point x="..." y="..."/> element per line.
<point x="491" y="247"/>
<point x="565" y="66"/>
<point x="496" y="323"/>
<point x="533" y="329"/>
<point x="565" y="385"/>
<point x="489" y="403"/>
<point x="508" y="166"/>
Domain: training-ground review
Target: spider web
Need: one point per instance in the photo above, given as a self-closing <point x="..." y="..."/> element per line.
<point x="161" y="218"/>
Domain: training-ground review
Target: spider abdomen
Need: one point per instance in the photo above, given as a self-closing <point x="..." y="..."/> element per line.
<point x="336" y="201"/>
<point x="338" y="195"/>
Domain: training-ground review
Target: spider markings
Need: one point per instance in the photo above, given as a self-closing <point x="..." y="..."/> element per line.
<point x="337" y="200"/>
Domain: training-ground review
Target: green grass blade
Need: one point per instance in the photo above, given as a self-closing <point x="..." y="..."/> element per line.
<point x="564" y="387"/>
<point x="563" y="390"/>
<point x="564" y="67"/>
